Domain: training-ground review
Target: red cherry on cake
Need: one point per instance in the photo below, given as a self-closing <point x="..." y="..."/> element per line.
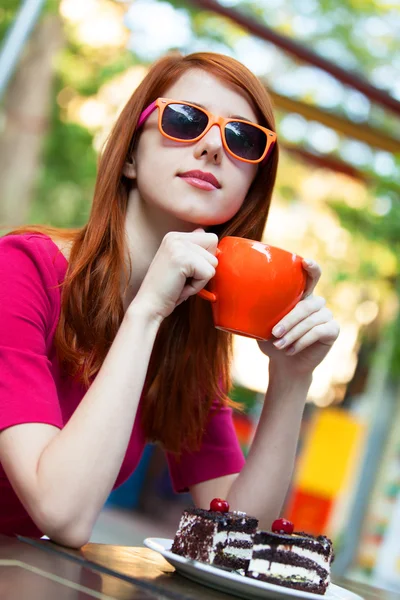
<point x="219" y="505"/>
<point x="282" y="526"/>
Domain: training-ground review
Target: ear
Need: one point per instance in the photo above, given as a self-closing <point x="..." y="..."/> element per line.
<point x="129" y="169"/>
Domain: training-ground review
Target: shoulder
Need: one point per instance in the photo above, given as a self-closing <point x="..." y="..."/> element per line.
<point x="31" y="271"/>
<point x="32" y="253"/>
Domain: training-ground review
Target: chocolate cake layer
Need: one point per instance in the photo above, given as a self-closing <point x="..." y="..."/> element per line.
<point x="321" y="544"/>
<point x="230" y="562"/>
<point x="240" y="543"/>
<point x="194" y="540"/>
<point x="304" y="586"/>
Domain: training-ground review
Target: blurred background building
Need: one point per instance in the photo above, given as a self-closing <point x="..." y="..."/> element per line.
<point x="333" y="70"/>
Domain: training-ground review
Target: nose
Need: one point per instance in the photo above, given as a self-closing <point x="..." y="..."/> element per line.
<point x="210" y="145"/>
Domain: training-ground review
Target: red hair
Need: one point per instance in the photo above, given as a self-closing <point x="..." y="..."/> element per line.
<point x="190" y="362"/>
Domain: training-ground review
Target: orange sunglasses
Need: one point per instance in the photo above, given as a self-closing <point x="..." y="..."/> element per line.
<point x="185" y="122"/>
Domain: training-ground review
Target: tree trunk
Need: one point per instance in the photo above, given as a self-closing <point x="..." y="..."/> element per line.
<point x="25" y="121"/>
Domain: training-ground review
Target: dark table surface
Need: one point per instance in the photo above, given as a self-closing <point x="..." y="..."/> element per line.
<point x="37" y="569"/>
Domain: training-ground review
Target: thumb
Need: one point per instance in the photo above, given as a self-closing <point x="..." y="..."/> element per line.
<point x="199" y="229"/>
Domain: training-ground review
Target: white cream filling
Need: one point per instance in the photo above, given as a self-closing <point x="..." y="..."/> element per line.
<point x="226" y="538"/>
<point x="259" y="565"/>
<point x="319" y="559"/>
<point x="237" y="552"/>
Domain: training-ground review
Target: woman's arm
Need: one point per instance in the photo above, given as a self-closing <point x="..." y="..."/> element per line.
<point x="63" y="477"/>
<point x="261" y="486"/>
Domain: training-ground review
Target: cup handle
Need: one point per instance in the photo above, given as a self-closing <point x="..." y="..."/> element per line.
<point x="206" y="295"/>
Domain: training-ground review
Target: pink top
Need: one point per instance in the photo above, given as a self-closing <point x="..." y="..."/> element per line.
<point x="32" y="389"/>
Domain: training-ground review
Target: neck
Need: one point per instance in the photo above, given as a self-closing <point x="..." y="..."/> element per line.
<point x="145" y="228"/>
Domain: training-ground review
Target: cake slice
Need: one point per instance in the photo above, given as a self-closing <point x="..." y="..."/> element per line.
<point x="296" y="560"/>
<point x="222" y="539"/>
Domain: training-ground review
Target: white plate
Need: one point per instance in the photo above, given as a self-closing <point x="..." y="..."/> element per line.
<point x="231" y="583"/>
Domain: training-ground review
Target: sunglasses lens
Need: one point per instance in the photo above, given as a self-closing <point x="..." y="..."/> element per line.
<point x="245" y="140"/>
<point x="183" y="122"/>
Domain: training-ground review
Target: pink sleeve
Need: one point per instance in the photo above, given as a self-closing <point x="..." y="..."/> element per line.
<point x="220" y="454"/>
<point x="28" y="314"/>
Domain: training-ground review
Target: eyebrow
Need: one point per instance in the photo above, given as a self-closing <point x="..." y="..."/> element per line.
<point x="231" y="116"/>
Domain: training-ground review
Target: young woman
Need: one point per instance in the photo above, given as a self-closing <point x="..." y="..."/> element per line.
<point x="103" y="342"/>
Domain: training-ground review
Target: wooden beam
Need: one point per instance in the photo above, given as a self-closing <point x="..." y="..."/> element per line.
<point x="358" y="131"/>
<point x="325" y="162"/>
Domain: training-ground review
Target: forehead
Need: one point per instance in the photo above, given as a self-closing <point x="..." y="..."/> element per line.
<point x="200" y="87"/>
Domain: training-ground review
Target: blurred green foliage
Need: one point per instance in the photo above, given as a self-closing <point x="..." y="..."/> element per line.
<point x="66" y="181"/>
<point x="8" y="9"/>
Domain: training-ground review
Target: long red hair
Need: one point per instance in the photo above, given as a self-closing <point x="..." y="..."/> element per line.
<point x="190" y="362"/>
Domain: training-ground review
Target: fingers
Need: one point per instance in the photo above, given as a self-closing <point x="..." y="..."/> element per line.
<point x="183" y="265"/>
<point x="175" y="241"/>
<point x="320" y="317"/>
<point x="325" y="333"/>
<point x="301" y="311"/>
<point x="209" y="241"/>
<point x="313" y="272"/>
<point x="200" y="266"/>
<point x="192" y="288"/>
<point x="202" y="274"/>
<point x="211" y="258"/>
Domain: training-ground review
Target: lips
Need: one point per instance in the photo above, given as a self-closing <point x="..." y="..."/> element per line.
<point x="203" y="176"/>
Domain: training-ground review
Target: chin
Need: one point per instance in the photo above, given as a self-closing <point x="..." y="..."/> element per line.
<point x="203" y="218"/>
<point x="207" y="222"/>
<point x="198" y="216"/>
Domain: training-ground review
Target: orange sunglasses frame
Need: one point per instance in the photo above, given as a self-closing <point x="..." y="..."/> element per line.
<point x="162" y="103"/>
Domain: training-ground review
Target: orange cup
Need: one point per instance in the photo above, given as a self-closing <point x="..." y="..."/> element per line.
<point x="254" y="286"/>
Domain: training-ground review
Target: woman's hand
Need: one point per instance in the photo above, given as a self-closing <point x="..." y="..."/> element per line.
<point x="182" y="266"/>
<point x="305" y="335"/>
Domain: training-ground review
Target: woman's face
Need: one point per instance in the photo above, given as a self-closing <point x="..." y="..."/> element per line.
<point x="160" y="163"/>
